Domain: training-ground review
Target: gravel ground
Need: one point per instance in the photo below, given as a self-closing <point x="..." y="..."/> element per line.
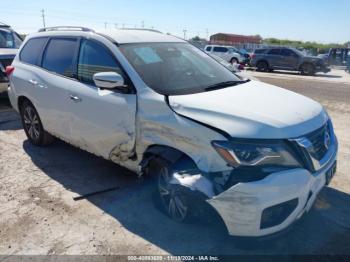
<point x="39" y="216"/>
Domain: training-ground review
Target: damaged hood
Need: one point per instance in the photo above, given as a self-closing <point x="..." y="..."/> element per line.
<point x="253" y="110"/>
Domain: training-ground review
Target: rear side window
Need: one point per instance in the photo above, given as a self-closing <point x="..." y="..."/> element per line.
<point x="59" y="56"/>
<point x="220" y="49"/>
<point x="95" y="58"/>
<point x="274" y="52"/>
<point x="32" y="50"/>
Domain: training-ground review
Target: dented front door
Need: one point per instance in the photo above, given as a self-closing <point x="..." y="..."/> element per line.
<point x="103" y="121"/>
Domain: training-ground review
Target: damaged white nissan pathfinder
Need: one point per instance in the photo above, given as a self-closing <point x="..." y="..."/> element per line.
<point x="255" y="153"/>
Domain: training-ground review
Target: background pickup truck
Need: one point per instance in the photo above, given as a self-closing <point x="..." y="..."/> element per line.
<point x="283" y="58"/>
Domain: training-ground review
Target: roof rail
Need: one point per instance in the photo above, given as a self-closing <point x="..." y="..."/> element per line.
<point x="65" y="28"/>
<point x="142" y="29"/>
<point x="4" y="25"/>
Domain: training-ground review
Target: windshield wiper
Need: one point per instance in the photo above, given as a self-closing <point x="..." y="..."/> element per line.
<point x="225" y="84"/>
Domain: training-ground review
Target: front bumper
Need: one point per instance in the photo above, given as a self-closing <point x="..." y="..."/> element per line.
<point x="323" y="68"/>
<point x="241" y="207"/>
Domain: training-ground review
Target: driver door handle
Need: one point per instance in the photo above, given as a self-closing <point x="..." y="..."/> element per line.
<point x="75" y="98"/>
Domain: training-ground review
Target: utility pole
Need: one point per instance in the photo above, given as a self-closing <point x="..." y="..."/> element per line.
<point x="116" y="26"/>
<point x="207" y="34"/>
<point x="123" y="26"/>
<point x="105" y="25"/>
<point x="143" y="24"/>
<point x="185" y="31"/>
<point x="43" y="16"/>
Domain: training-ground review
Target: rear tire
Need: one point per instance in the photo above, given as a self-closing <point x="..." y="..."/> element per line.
<point x="308" y="69"/>
<point x="32" y="125"/>
<point x="262" y="66"/>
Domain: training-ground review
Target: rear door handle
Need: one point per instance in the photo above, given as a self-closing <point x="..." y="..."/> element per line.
<point x="32" y="81"/>
<point x="75" y="98"/>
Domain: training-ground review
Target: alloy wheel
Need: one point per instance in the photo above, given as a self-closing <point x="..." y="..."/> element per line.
<point x="171" y="197"/>
<point x="31" y="122"/>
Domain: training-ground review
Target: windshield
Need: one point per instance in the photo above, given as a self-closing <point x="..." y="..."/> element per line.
<point x="9" y="40"/>
<point x="176" y="68"/>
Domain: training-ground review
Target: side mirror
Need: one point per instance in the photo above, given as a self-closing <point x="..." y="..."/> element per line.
<point x="109" y="80"/>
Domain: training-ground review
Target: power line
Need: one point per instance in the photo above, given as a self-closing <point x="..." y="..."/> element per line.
<point x="43" y="15"/>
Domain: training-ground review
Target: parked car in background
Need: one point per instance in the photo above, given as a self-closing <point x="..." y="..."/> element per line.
<point x="282" y="58"/>
<point x="255" y="154"/>
<point x="227" y="53"/>
<point x="336" y="56"/>
<point x="10" y="41"/>
<point x="234" y="68"/>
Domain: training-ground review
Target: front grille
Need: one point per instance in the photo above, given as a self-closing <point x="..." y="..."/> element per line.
<point x="316" y="148"/>
<point x="317" y="139"/>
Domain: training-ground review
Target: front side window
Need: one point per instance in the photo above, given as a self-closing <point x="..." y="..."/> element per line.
<point x="287" y="52"/>
<point x="32" y="50"/>
<point x="59" y="56"/>
<point x="95" y="58"/>
<point x="208" y="48"/>
<point x="8" y="39"/>
<point x="176" y="68"/>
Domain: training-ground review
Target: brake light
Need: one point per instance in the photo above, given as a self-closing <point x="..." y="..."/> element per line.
<point x="9" y="70"/>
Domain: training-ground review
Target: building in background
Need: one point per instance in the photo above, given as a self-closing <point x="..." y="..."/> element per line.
<point x="240" y="41"/>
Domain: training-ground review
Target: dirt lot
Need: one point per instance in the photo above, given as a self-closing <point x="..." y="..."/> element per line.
<point x="39" y="216"/>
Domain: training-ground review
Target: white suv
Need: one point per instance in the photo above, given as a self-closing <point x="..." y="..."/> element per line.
<point x="228" y="53"/>
<point x="256" y="154"/>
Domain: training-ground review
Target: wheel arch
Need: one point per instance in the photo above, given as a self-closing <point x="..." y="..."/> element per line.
<point x="306" y="63"/>
<point x="21" y="99"/>
<point x="171" y="154"/>
<point x="263" y="60"/>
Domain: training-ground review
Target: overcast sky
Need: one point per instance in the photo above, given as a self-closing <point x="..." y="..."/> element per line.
<point x="313" y="20"/>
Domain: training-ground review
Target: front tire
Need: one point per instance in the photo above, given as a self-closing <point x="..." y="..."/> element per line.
<point x="32" y="125"/>
<point x="308" y="69"/>
<point x="173" y="199"/>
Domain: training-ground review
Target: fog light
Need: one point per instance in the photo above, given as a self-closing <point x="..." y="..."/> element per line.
<point x="275" y="215"/>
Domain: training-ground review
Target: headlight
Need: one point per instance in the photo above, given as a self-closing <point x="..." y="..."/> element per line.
<point x="255" y="152"/>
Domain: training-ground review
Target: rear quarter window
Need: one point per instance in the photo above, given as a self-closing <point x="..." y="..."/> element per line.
<point x="32" y="51"/>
